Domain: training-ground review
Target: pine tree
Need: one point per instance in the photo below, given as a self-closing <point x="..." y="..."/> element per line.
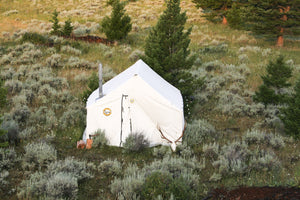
<point x="55" y="26"/>
<point x="216" y="9"/>
<point x="274" y="19"/>
<point x="119" y="24"/>
<point x="291" y="114"/>
<point x="67" y="29"/>
<point x="237" y="15"/>
<point x="166" y="50"/>
<point x="276" y="78"/>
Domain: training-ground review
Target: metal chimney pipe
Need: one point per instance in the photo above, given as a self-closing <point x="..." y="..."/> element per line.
<point x="100" y="81"/>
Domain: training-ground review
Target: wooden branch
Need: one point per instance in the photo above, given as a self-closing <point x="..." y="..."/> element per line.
<point x="162" y="135"/>
<point x="185" y="124"/>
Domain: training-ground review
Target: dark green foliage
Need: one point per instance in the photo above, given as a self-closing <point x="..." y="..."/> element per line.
<point x="215" y="9"/>
<point x="276" y="78"/>
<point x="163" y="184"/>
<point x="119" y="24"/>
<point x="55" y="26"/>
<point x="67" y="29"/>
<point x="3" y="143"/>
<point x="291" y="114"/>
<point x="237" y="16"/>
<point x="157" y="183"/>
<point x="93" y="84"/>
<point x="3" y="92"/>
<point x="274" y="18"/>
<point x="3" y="102"/>
<point x="135" y="142"/>
<point x="167" y="52"/>
<point x="34" y="38"/>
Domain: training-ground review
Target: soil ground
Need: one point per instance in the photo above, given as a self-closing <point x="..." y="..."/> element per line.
<point x="256" y="193"/>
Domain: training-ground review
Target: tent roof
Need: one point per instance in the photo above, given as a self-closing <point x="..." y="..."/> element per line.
<point x="141" y="69"/>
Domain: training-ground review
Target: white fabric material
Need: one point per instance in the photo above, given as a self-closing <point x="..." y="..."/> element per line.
<point x="151" y="105"/>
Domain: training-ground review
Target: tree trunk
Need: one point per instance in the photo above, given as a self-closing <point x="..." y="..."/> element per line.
<point x="284" y="18"/>
<point x="224" y="20"/>
<point x="280" y="41"/>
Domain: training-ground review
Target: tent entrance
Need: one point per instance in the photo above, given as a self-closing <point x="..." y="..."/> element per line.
<point x="126" y="121"/>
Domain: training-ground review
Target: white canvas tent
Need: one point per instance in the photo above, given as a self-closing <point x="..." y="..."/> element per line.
<point x="137" y="100"/>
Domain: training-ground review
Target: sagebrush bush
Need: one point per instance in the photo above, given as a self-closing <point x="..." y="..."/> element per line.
<point x="254" y="137"/>
<point x="184" y="151"/>
<point x="13" y="86"/>
<point x="12" y="131"/>
<point x="54" y="61"/>
<point x="111" y="167"/>
<point x="99" y="139"/>
<point x="75" y="62"/>
<point x="70" y="50"/>
<point x="59" y="181"/>
<point x="232" y="159"/>
<point x="138" y="184"/>
<point x="232" y="104"/>
<point x="21" y="114"/>
<point x="8" y="158"/>
<point x="61" y="185"/>
<point x="197" y="131"/>
<point x="265" y="161"/>
<point x="219" y="48"/>
<point x="74" y="115"/>
<point x="79" y="169"/>
<point x="7" y="73"/>
<point x="38" y="155"/>
<point x="135" y="55"/>
<point x="162" y="151"/>
<point x="135" y="142"/>
<point x="211" y="150"/>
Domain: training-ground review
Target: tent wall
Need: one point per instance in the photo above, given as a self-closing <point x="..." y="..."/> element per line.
<point x="143" y="106"/>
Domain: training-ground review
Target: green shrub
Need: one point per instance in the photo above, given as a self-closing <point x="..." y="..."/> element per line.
<point x="35" y="38"/>
<point x="73" y="116"/>
<point x="79" y="169"/>
<point x="157" y="183"/>
<point x="59" y="181"/>
<point x="197" y="131"/>
<point x="162" y="151"/>
<point x="99" y="140"/>
<point x="135" y="142"/>
<point x="161" y="178"/>
<point x="111" y="167"/>
<point x="54" y="61"/>
<point x="61" y="185"/>
<point x="8" y="158"/>
<point x="38" y="155"/>
<point x="21" y="114"/>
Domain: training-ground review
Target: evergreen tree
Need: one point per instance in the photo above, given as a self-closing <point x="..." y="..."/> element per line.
<point x="237" y="15"/>
<point x="55" y="26"/>
<point x="216" y="9"/>
<point x="166" y="50"/>
<point x="291" y="114"/>
<point x="276" y="78"/>
<point x="68" y="28"/>
<point x="119" y="24"/>
<point x="274" y="19"/>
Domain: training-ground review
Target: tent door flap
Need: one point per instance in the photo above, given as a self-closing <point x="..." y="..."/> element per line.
<point x="126" y="121"/>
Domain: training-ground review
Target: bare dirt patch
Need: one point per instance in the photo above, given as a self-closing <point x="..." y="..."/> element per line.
<point x="256" y="193"/>
<point x="9" y="25"/>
